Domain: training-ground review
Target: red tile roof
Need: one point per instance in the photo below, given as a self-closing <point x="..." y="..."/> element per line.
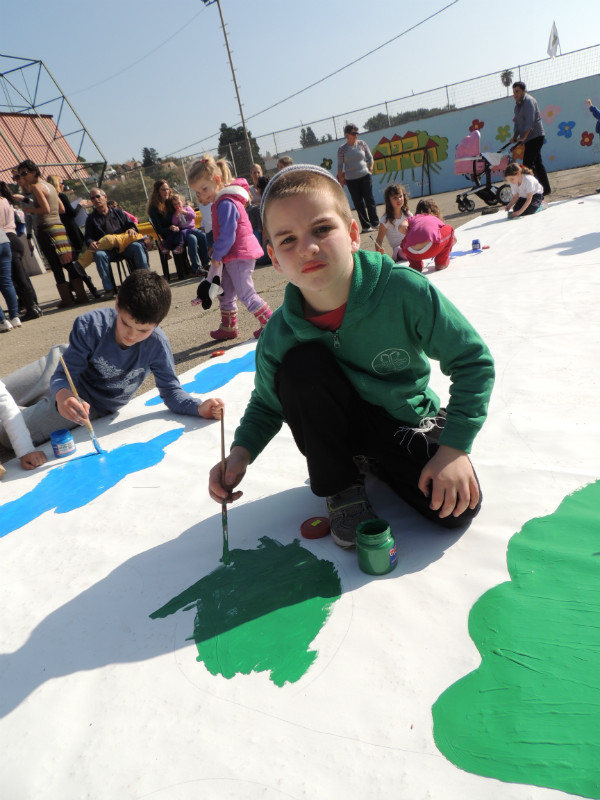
<point x="38" y="138"/>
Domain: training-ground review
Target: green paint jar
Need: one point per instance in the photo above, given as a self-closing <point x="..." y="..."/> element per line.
<point x="376" y="547"/>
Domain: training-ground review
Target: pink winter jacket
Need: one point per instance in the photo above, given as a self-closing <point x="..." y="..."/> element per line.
<point x="236" y="226"/>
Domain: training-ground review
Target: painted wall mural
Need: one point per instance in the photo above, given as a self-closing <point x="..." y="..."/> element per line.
<point x="399" y="153"/>
<point x="409" y="153"/>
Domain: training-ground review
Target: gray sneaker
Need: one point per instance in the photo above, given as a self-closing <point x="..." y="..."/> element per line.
<point x="347" y="509"/>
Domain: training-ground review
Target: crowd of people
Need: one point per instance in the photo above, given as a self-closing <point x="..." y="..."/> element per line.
<point x="42" y="206"/>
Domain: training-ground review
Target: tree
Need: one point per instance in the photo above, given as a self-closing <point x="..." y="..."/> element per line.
<point x="506" y="78"/>
<point x="308" y="137"/>
<point x="149" y="156"/>
<point x="382" y="121"/>
<point x="377" y="122"/>
<point x="233" y="147"/>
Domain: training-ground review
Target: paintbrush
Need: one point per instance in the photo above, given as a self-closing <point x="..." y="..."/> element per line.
<point x="225" y="558"/>
<point x="88" y="424"/>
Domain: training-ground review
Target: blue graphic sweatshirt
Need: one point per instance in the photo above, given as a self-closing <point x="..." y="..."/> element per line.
<point x="107" y="376"/>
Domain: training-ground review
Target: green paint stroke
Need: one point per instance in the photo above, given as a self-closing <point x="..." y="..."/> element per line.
<point x="261" y="612"/>
<point x="530" y="713"/>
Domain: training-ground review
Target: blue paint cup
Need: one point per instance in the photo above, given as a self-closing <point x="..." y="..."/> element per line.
<point x="62" y="442"/>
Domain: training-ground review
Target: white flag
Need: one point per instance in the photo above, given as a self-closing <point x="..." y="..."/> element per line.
<point x="553" y="41"/>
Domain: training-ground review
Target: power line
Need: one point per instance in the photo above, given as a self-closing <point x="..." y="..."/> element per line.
<point x="356" y="60"/>
<point x="142" y="58"/>
<point x="331" y="74"/>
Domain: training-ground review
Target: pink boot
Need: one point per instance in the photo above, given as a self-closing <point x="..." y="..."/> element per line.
<point x="228" y="328"/>
<point x="262" y="315"/>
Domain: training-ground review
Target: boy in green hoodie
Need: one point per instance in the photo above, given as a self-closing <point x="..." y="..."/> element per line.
<point x="345" y="362"/>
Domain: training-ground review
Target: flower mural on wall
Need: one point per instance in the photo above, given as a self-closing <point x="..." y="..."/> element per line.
<point x="327" y="163"/>
<point x="519" y="151"/>
<point x="476" y="125"/>
<point x="566" y="129"/>
<point x="503" y="133"/>
<point x="586" y="139"/>
<point x="550" y="113"/>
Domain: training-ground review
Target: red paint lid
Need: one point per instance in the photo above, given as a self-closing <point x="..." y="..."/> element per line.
<point x="315" y="527"/>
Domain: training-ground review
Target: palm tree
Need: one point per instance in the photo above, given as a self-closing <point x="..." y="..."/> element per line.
<point x="506" y="78"/>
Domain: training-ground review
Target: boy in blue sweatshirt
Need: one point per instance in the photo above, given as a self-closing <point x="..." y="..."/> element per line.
<point x="110" y="352"/>
<point x="345" y="362"/>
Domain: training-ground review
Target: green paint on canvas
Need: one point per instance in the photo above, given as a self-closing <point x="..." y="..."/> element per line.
<point x="261" y="612"/>
<point x="530" y="713"/>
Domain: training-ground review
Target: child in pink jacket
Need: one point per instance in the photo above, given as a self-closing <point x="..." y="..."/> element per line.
<point x="426" y="235"/>
<point x="235" y="249"/>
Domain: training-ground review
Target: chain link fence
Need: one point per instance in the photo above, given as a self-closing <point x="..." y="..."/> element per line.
<point x="132" y="188"/>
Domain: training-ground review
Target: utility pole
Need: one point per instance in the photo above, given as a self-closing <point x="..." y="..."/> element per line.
<point x="237" y="93"/>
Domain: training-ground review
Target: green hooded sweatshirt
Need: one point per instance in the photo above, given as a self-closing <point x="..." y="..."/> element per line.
<point x="395" y="321"/>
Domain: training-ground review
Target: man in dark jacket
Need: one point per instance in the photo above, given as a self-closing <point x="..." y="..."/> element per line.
<point x="104" y="220"/>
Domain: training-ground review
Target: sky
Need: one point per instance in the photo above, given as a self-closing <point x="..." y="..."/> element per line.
<point x="139" y="76"/>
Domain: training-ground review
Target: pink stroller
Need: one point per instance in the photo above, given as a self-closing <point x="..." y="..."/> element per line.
<point x="475" y="165"/>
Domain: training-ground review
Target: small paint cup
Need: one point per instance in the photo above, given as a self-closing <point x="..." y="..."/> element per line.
<point x="375" y="547"/>
<point x="62" y="442"/>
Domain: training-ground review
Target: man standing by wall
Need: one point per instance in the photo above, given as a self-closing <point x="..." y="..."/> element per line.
<point x="529" y="129"/>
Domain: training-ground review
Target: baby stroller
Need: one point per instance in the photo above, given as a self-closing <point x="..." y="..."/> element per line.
<point x="478" y="166"/>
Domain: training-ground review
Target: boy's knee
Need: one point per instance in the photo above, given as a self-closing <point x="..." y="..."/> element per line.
<point x="463" y="521"/>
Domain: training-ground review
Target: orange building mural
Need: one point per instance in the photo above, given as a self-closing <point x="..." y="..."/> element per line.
<point x="412" y="151"/>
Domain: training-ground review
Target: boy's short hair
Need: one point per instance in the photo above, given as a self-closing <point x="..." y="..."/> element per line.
<point x="285" y="161"/>
<point x="146" y="296"/>
<point x="304" y="179"/>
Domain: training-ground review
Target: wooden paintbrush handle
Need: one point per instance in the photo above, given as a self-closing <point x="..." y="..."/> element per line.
<point x="88" y="424"/>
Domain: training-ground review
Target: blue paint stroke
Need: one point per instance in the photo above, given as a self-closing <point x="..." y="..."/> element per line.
<point x="214" y="376"/>
<point x="81" y="480"/>
<point x="459" y="253"/>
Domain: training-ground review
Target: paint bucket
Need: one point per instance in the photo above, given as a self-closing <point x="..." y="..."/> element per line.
<point x="63" y="443"/>
<point x="375" y="547"/>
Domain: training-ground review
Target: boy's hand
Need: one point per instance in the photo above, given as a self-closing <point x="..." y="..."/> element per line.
<point x="450" y="480"/>
<point x="211" y="408"/>
<point x="235" y="468"/>
<point x="33" y="459"/>
<point x="70" y="408"/>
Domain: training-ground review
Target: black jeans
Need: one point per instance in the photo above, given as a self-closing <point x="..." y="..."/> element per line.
<point x="536" y="202"/>
<point x="532" y="158"/>
<point x="20" y="278"/>
<point x="331" y="424"/>
<point x="361" y="192"/>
